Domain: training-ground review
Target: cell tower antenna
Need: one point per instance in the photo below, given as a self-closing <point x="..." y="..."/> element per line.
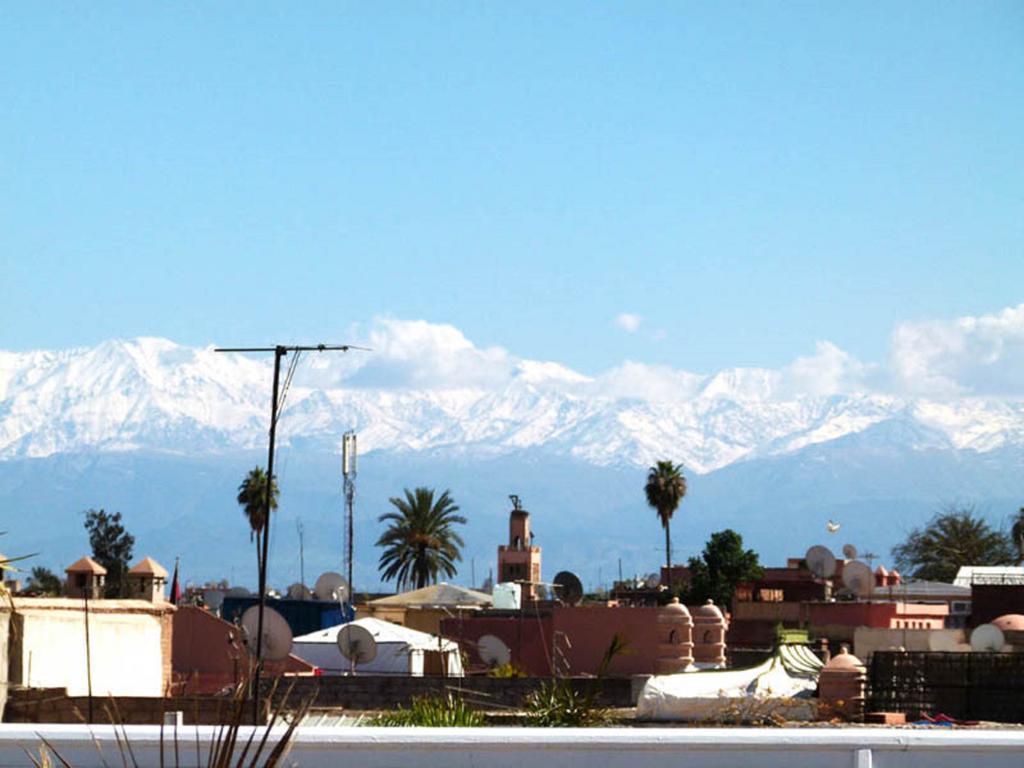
<point x="349" y="458"/>
<point x="279" y="351"/>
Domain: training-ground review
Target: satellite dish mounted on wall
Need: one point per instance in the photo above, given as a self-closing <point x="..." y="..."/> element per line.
<point x="987" y="638"/>
<point x="357" y="645"/>
<point x="568" y="587"/>
<point x="820" y="561"/>
<point x="857" y="578"/>
<point x="331" y="587"/>
<point x="849" y="552"/>
<point x="493" y="651"/>
<point x="277" y="635"/>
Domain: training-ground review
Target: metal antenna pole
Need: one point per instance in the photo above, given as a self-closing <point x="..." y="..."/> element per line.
<point x="349" y="467"/>
<point x="279" y="351"/>
<point x="302" y="560"/>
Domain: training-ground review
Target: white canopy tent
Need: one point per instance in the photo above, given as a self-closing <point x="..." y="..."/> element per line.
<point x="784" y="685"/>
<point x="400" y="650"/>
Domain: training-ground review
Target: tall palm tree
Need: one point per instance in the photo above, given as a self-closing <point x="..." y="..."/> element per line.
<point x="420" y="542"/>
<point x="1017" y="534"/>
<point x="252" y="497"/>
<point x="951" y="539"/>
<point x="665" y="489"/>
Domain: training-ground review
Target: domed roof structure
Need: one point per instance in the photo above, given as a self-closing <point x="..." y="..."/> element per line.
<point x="708" y="611"/>
<point x="674" y="606"/>
<point x="844" y="660"/>
<point x="1013" y="622"/>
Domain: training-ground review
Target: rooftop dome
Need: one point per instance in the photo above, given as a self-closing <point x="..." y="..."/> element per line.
<point x="844" y="660"/>
<point x="86" y="565"/>
<point x="674" y="606"/>
<point x="1013" y="622"/>
<point x="148" y="567"/>
<point x="708" y="611"/>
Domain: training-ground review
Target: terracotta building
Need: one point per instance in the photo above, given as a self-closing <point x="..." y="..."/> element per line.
<point x="519" y="560"/>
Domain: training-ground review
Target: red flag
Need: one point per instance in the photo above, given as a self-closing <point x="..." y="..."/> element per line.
<point x="175" y="586"/>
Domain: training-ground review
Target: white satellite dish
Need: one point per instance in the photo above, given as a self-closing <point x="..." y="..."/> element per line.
<point x="987" y="638"/>
<point x="277" y="635"/>
<point x="857" y="578"/>
<point x="652" y="581"/>
<point x="331" y="586"/>
<point x="849" y="552"/>
<point x="357" y="644"/>
<point x="820" y="561"/>
<point x="493" y="651"/>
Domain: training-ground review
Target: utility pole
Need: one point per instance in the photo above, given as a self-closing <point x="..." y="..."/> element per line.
<point x="302" y="560"/>
<point x="279" y="351"/>
<point x="348" y="472"/>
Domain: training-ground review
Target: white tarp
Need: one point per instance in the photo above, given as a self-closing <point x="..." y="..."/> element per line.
<point x="400" y="650"/>
<point x="735" y="694"/>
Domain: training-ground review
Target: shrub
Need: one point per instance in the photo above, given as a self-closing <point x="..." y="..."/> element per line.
<point x="446" y="711"/>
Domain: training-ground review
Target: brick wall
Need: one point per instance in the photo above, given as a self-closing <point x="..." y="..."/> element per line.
<point x="381" y="692"/>
<point x="53" y="705"/>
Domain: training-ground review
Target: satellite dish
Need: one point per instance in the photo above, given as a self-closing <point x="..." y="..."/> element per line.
<point x="987" y="638"/>
<point x="568" y="587"/>
<point x="277" y="635"/>
<point x="820" y="561"/>
<point x="331" y="586"/>
<point x="493" y="651"/>
<point x="849" y="552"/>
<point x="652" y="581"/>
<point x="857" y="578"/>
<point x="299" y="591"/>
<point x="357" y="644"/>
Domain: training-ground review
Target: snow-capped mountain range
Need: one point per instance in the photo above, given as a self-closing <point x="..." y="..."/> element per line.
<point x="154" y="395"/>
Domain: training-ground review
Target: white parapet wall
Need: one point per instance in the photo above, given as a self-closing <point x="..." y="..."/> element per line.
<point x="541" y="748"/>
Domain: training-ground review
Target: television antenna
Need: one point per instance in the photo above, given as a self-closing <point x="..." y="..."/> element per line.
<point x="276" y="396"/>
<point x="331" y="586"/>
<point x="357" y="645"/>
<point x="820" y="561"/>
<point x="493" y="651"/>
<point x="857" y="578"/>
<point x="568" y="587"/>
<point x="987" y="638"/>
<point x="348" y="473"/>
<point x="273" y="641"/>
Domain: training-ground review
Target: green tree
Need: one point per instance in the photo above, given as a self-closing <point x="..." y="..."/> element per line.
<point x="722" y="565"/>
<point x="45" y="582"/>
<point x="951" y="539"/>
<point x="1017" y="534"/>
<point x="111" y="547"/>
<point x="420" y="542"/>
<point x="665" y="489"/>
<point x="252" y="498"/>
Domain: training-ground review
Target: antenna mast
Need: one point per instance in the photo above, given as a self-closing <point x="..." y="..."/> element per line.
<point x="348" y="472"/>
<point x="279" y="350"/>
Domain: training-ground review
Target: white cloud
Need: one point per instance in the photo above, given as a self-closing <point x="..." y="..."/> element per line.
<point x="966" y="356"/>
<point x="647" y="382"/>
<point x="422" y="355"/>
<point x="829" y="371"/>
<point x="628" y="322"/>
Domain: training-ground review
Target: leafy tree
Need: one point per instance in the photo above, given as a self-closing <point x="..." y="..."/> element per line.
<point x="252" y="497"/>
<point x="1017" y="534"/>
<point x="951" y="539"/>
<point x="665" y="489"/>
<point x="420" y="542"/>
<point x="722" y="565"/>
<point x="45" y="582"/>
<point x="111" y="547"/>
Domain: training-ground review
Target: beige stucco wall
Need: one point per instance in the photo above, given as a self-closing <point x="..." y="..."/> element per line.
<point x="867" y="640"/>
<point x="127" y="649"/>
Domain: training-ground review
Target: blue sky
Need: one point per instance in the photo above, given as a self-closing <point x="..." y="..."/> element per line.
<point x="747" y="179"/>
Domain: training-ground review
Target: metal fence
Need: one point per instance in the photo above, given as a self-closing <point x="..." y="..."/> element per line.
<point x="969" y="686"/>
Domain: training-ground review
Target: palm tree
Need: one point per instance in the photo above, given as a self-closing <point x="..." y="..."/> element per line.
<point x="665" y="489"/>
<point x="1017" y="534"/>
<point x="252" y="497"/>
<point x="951" y="539"/>
<point x="420" y="542"/>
